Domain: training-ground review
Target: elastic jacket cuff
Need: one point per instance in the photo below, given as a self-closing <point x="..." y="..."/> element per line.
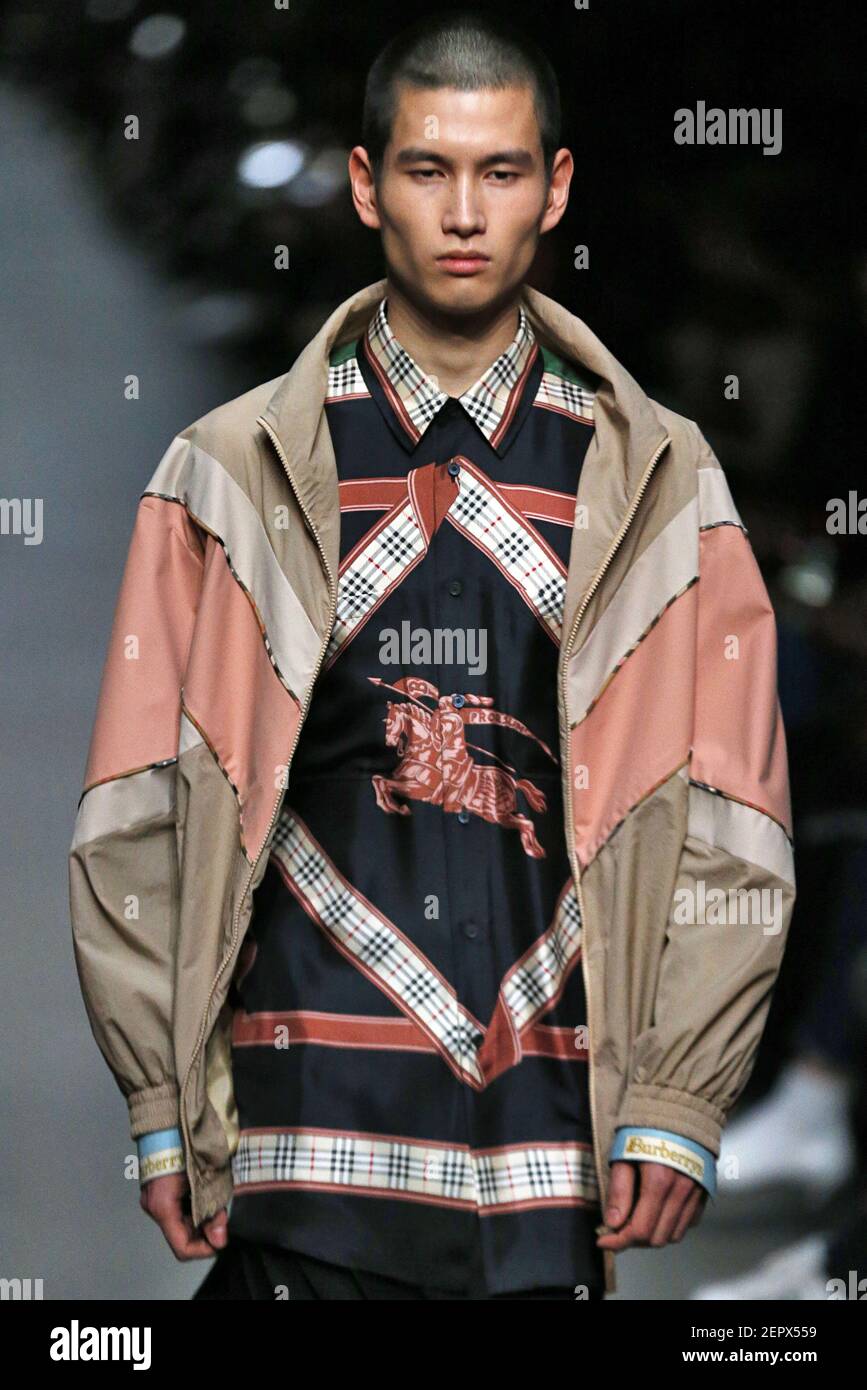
<point x="155" y="1107"/>
<point x="649" y="1106"/>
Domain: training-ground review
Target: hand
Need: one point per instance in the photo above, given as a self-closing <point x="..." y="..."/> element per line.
<point x="668" y="1204"/>
<point x="164" y="1199"/>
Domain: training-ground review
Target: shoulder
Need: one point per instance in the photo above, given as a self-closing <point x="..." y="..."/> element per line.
<point x="716" y="505"/>
<point x="221" y="451"/>
<point x="686" y="436"/>
<point x="698" y="470"/>
<point x="230" y="428"/>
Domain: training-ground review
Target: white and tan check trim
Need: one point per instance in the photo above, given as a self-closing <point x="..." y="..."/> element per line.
<point x="490" y="401"/>
<point x="483" y="513"/>
<point x="487" y="518"/>
<point x="565" y="397"/>
<point x="394" y="964"/>
<point x="345" y="382"/>
<point x="381" y="560"/>
<point x="487" y="1181"/>
<point x="377" y="947"/>
<point x="535" y="982"/>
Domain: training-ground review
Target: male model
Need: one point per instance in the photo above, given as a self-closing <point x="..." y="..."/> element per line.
<point x="433" y="867"/>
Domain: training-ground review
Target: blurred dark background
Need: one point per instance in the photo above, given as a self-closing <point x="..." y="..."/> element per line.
<point x="155" y="256"/>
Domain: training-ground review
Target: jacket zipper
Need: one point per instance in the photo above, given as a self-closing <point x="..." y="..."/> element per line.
<point x="570" y="846"/>
<point x="237" y="917"/>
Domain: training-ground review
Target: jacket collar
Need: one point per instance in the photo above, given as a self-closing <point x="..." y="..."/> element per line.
<point x="627" y="429"/>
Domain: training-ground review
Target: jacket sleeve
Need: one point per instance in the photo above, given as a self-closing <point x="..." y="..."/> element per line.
<point x="123" y="860"/>
<point x="732" y="903"/>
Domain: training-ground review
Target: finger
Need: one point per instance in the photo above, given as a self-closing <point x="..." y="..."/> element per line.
<point x="178" y="1230"/>
<point x="216" y="1229"/>
<point x="690" y="1213"/>
<point x="654" y="1183"/>
<point x="700" y="1206"/>
<point x="672" y="1209"/>
<point x="621" y="1193"/>
<point x="165" y="1201"/>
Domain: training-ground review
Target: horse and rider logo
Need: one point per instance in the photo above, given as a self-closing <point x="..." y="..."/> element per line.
<point x="435" y="764"/>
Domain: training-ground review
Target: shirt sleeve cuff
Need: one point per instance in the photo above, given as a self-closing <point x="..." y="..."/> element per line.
<point x="639" y="1144"/>
<point x="160" y="1152"/>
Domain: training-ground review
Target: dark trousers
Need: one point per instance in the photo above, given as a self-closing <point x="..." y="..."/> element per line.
<point x="247" y="1269"/>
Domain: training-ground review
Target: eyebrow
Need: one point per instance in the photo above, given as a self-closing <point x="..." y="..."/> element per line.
<point x="413" y="153"/>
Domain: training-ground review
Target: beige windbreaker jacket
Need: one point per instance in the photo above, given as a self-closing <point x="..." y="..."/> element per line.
<point x="672" y="750"/>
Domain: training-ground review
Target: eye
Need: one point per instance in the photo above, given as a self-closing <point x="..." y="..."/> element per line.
<point x="502" y="174"/>
<point x="424" y="173"/>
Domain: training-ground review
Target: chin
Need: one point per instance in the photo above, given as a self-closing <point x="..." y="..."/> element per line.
<point x="465" y="293"/>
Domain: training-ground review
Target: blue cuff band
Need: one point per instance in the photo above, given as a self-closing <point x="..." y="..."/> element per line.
<point x="639" y="1144"/>
<point x="160" y="1152"/>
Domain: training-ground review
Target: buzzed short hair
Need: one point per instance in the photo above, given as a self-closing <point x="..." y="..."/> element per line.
<point x="466" y="49"/>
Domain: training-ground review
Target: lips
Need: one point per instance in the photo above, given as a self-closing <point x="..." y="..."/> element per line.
<point x="463" y="262"/>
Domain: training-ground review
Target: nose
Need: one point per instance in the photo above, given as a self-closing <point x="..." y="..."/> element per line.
<point x="464" y="215"/>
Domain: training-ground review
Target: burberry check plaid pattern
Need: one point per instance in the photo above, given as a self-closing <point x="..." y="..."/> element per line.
<point x="390" y="549"/>
<point x="483" y="513"/>
<point x="377" y="946"/>
<point x="401" y="969"/>
<point x="482" y="1181"/>
<point x="535" y="982"/>
<point x="485" y="402"/>
<point x="408" y="1053"/>
<point x="513" y="543"/>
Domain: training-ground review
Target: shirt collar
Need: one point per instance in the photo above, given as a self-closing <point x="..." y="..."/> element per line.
<point x="490" y="402"/>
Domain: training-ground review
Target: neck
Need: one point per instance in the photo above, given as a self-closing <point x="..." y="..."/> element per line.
<point x="456" y="351"/>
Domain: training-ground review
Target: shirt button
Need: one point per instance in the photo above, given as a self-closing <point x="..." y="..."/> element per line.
<point x="454" y="467"/>
<point x="458" y="701"/>
<point x="463" y="815"/>
<point x="455" y="587"/>
<point x="470" y="930"/>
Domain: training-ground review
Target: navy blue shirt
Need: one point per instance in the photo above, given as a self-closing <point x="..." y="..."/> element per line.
<point x="409" y="1054"/>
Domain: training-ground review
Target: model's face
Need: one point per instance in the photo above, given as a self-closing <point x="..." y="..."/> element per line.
<point x="463" y="173"/>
